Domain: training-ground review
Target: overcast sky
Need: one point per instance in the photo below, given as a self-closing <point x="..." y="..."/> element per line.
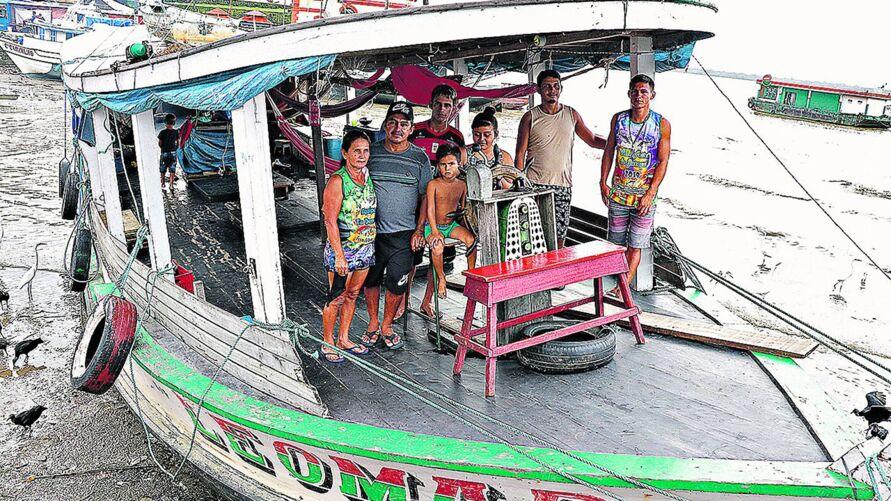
<point x="835" y="41"/>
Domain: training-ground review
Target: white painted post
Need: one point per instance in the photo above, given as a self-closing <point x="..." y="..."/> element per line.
<point x="92" y="159"/>
<point x="108" y="173"/>
<point x="147" y="157"/>
<point x="254" y="169"/>
<point x="350" y="94"/>
<point x="536" y="66"/>
<point x="462" y="121"/>
<point x="643" y="60"/>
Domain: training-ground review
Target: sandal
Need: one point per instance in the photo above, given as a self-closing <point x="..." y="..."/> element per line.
<point x="371" y="339"/>
<point x="393" y="341"/>
<point x="330" y="357"/>
<point x="357" y="349"/>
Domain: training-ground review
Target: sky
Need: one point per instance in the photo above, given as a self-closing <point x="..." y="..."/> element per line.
<point x="841" y="41"/>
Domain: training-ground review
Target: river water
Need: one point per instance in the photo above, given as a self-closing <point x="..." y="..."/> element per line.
<point x="725" y="200"/>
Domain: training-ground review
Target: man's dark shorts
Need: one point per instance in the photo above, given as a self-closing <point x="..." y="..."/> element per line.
<point x="393" y="261"/>
<point x="168" y="161"/>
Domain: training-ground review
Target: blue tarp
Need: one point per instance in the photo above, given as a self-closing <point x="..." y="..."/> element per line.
<point x="224" y="91"/>
<point x="678" y="58"/>
<point x="207" y="151"/>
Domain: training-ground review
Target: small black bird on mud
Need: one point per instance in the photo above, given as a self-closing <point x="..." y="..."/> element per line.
<point x="23" y="348"/>
<point x="4" y="298"/>
<point x="874" y="413"/>
<point x="27" y="418"/>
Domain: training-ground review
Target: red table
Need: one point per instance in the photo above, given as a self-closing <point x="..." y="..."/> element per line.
<point x="490" y="285"/>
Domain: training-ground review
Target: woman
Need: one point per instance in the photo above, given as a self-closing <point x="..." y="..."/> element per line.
<point x="484" y="152"/>
<point x="349" y="206"/>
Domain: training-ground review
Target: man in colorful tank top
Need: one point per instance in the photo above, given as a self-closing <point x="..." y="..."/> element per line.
<point x="640" y="143"/>
<point x="544" y="146"/>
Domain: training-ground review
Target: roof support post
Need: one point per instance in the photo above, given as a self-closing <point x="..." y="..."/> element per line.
<point x="536" y="66"/>
<point x="108" y="172"/>
<point x="318" y="153"/>
<point x="462" y="121"/>
<point x="91" y="157"/>
<point x="643" y="61"/>
<point x="254" y="167"/>
<point x="147" y="154"/>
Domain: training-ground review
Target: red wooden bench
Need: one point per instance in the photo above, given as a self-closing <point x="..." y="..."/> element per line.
<point x="490" y="285"/>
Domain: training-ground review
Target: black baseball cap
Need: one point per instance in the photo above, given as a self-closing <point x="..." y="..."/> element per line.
<point x="402" y="108"/>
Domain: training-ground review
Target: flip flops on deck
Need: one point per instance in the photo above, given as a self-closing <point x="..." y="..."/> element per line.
<point x="393" y="341"/>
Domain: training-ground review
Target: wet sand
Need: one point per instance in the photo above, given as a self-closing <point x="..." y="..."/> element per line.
<point x="84" y="446"/>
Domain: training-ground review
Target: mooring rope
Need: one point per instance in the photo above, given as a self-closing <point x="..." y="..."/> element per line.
<point x="800" y="325"/>
<point x="792" y="175"/>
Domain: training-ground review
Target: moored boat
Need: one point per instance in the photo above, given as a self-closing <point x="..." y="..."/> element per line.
<point x="241" y="399"/>
<point x="828" y="103"/>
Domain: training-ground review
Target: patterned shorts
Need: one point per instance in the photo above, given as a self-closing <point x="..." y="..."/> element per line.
<point x="562" y="205"/>
<point x="627" y="228"/>
<point x="357" y="259"/>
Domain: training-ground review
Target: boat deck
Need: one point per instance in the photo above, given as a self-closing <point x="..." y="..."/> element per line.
<point x="669" y="397"/>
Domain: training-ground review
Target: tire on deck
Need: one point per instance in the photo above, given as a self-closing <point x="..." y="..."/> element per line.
<point x="70" y="196"/>
<point x="79" y="266"/>
<point x="579" y="352"/>
<point x="104" y="345"/>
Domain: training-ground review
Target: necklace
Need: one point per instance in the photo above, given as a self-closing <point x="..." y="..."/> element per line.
<point x="643" y="126"/>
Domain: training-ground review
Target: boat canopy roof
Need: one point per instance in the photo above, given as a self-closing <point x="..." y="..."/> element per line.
<point x="503" y="33"/>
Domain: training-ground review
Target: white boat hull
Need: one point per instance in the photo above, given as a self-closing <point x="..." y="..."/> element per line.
<point x="33" y="62"/>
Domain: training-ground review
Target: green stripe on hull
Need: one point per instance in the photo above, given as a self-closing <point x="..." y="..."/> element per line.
<point x="702" y="475"/>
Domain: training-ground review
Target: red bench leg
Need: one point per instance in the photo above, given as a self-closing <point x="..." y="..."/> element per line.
<point x="598" y="293"/>
<point x="466" y="327"/>
<point x="629" y="303"/>
<point x="491" y="343"/>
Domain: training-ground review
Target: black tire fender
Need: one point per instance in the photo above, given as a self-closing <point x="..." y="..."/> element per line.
<point x="64" y="165"/>
<point x="79" y="266"/>
<point x="70" y="196"/>
<point x="576" y="353"/>
<point x="104" y="346"/>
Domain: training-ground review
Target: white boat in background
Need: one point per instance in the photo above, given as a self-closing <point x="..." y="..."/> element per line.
<point x="34" y="46"/>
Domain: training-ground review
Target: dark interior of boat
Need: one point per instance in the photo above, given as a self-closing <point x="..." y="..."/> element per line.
<point x="668" y="397"/>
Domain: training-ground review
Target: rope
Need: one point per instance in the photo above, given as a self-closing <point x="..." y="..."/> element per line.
<point x="873" y="467"/>
<point x="800" y="325"/>
<point x="409" y="386"/>
<point x="789" y="172"/>
<point x="117" y="134"/>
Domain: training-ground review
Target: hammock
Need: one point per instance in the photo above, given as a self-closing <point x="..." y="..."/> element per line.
<point x="328" y="111"/>
<point x="302" y="147"/>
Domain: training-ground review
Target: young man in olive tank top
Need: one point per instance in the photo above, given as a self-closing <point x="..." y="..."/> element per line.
<point x="544" y="146"/>
<point x="640" y="143"/>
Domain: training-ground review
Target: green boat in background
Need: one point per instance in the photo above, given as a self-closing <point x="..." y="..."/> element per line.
<point x="836" y="104"/>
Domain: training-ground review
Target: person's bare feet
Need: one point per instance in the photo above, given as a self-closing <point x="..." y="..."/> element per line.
<point x="614" y="292"/>
<point x="427" y="309"/>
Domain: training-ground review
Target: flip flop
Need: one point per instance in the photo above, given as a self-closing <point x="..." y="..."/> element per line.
<point x="358" y="350"/>
<point x="331" y="358"/>
<point x="371" y="339"/>
<point x="390" y="344"/>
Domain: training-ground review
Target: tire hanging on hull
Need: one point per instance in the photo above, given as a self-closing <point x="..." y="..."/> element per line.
<point x="69" y="197"/>
<point x="79" y="266"/>
<point x="104" y="346"/>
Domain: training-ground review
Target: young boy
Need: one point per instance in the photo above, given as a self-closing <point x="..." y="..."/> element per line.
<point x="445" y="195"/>
<point x="168" y="140"/>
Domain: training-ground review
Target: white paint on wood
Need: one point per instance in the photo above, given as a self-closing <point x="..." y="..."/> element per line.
<point x="91" y="157"/>
<point x="147" y="156"/>
<point x="643" y="60"/>
<point x="463" y="119"/>
<point x="108" y="172"/>
<point x="364" y="34"/>
<point x="254" y="167"/>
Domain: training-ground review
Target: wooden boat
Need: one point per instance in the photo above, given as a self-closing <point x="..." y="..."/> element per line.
<point x="263" y="420"/>
<point x="828" y="103"/>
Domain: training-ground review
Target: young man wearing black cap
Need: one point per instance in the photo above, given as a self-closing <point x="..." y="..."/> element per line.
<point x="400" y="172"/>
